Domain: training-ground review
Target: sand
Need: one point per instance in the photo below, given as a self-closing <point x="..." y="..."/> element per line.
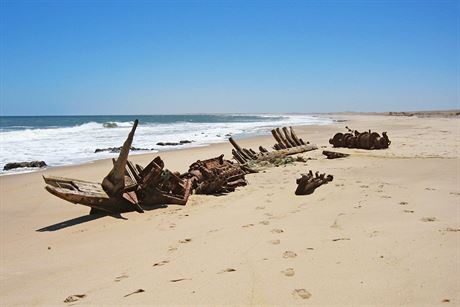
<point x="385" y="232"/>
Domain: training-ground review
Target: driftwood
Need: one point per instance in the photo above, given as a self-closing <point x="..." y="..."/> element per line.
<point x="127" y="187"/>
<point x="334" y="154"/>
<point x="216" y="175"/>
<point x="308" y="183"/>
<point x="362" y="140"/>
<point x="287" y="143"/>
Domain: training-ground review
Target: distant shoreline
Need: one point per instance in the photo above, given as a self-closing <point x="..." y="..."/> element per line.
<point x="430" y="113"/>
<point x="424" y="113"/>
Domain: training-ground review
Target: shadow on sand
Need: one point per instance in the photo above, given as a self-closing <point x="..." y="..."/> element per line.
<point x="90" y="217"/>
<point x="78" y="220"/>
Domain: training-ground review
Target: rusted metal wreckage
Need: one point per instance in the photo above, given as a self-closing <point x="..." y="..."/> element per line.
<point x="334" y="154"/>
<point x="216" y="175"/>
<point x="127" y="187"/>
<point x="308" y="183"/>
<point x="287" y="143"/>
<point x="130" y="187"/>
<point x="362" y="140"/>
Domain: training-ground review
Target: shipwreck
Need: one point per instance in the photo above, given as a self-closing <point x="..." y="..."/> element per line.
<point x="131" y="187"/>
<point x="127" y="187"/>
<point x="287" y="143"/>
<point x="362" y="140"/>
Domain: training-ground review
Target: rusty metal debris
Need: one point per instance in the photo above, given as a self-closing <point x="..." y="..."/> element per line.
<point x="308" y="183"/>
<point x="216" y="175"/>
<point x="127" y="187"/>
<point x="287" y="143"/>
<point x="334" y="154"/>
<point x="362" y="140"/>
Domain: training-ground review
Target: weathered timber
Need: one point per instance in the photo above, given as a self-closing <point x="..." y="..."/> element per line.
<point x="86" y="193"/>
<point x="267" y="156"/>
<point x="308" y="183"/>
<point x="239" y="150"/>
<point x="288" y="138"/>
<point x="334" y="154"/>
<point x="110" y="196"/>
<point x="363" y="140"/>
<point x="287" y="143"/>
<point x="114" y="182"/>
<point x="282" y="138"/>
<point x="262" y="149"/>
<point x="279" y="144"/>
<point x="295" y="138"/>
<point x="127" y="187"/>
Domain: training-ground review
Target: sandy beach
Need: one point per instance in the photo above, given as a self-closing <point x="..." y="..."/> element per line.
<point x="384" y="232"/>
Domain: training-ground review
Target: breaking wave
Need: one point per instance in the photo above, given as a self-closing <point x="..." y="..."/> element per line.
<point x="57" y="144"/>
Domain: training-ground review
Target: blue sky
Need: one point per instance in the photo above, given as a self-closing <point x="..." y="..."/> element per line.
<point x="150" y="57"/>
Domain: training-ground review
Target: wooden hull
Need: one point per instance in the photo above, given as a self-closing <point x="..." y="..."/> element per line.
<point x="87" y="193"/>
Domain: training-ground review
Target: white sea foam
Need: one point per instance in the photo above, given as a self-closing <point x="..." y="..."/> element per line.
<point x="74" y="145"/>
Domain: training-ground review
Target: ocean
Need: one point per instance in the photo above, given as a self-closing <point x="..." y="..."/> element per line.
<point x="67" y="140"/>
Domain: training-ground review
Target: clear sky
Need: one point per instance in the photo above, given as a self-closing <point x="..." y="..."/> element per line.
<point x="150" y="57"/>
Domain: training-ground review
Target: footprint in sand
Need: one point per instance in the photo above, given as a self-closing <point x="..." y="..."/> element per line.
<point x="302" y="293"/>
<point x="134" y="292"/>
<point x="260" y="208"/>
<point x="409" y="211"/>
<point x="288" y="272"/>
<point x="428" y="219"/>
<point x="341" y="239"/>
<point x="264" y="222"/>
<point x="364" y="186"/>
<point x="247" y="225"/>
<point x="335" y="225"/>
<point x="179" y="279"/>
<point x="227" y="270"/>
<point x="120" y="278"/>
<point x="373" y="234"/>
<point x="277" y="230"/>
<point x="289" y="254"/>
<point x="172" y="249"/>
<point x="403" y="203"/>
<point x="430" y="189"/>
<point x="74" y="298"/>
<point x="185" y="240"/>
<point x="385" y="196"/>
<point x="449" y="229"/>
<point x="268" y="214"/>
<point x="275" y="242"/>
<point x="161" y="263"/>
<point x="268" y="201"/>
